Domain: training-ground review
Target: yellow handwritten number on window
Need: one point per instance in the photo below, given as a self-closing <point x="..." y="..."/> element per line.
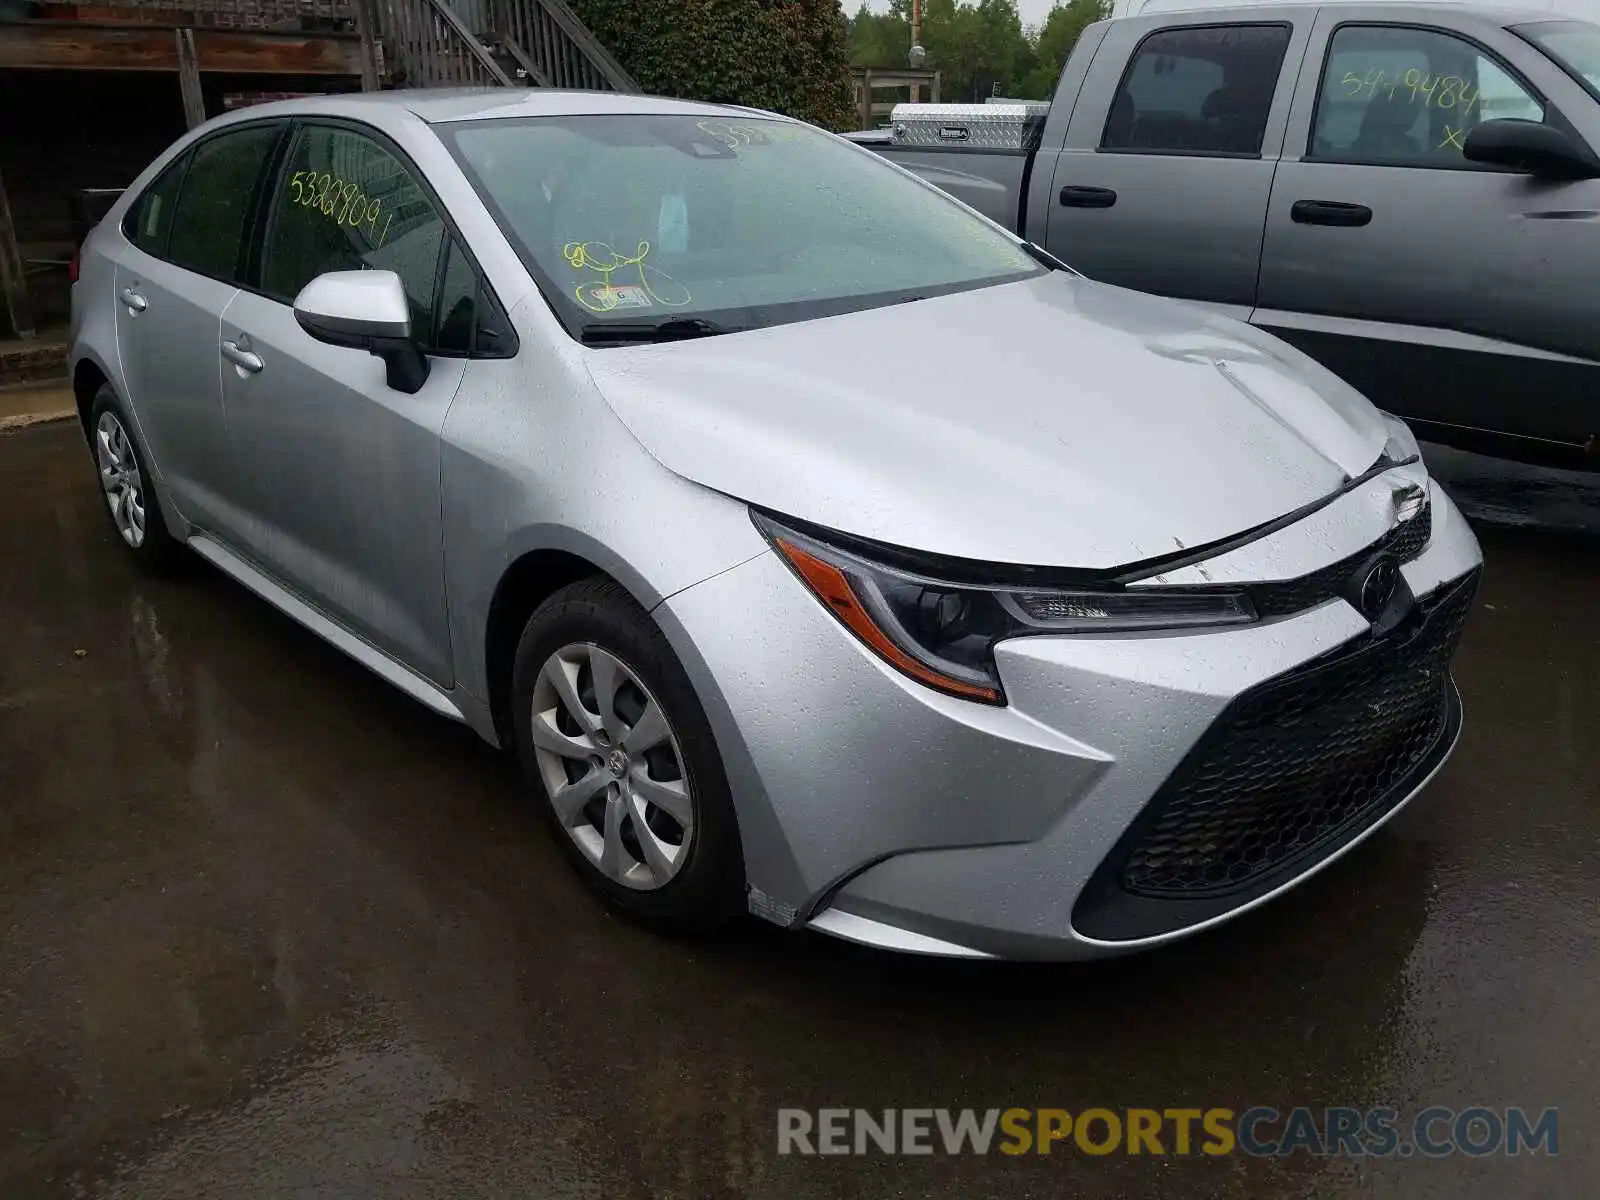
<point x="343" y="202"/>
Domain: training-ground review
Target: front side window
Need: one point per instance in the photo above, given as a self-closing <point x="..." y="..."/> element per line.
<point x="645" y="217"/>
<point x="1394" y="96"/>
<point x="345" y="203"/>
<point x="1575" y="46"/>
<point x="1198" y="90"/>
<point x="215" y="202"/>
<point x="149" y="218"/>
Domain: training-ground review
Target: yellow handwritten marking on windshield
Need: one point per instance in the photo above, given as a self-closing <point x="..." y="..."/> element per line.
<point x="760" y="133"/>
<point x="607" y="295"/>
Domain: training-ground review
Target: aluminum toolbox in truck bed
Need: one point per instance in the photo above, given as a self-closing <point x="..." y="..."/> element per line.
<point x="981" y="126"/>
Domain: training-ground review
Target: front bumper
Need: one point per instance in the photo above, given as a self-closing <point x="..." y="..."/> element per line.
<point x="878" y="810"/>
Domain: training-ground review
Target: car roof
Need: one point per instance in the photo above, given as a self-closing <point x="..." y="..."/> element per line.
<point x="435" y="105"/>
<point x="1495" y="14"/>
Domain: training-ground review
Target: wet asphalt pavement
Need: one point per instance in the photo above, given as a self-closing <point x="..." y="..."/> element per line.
<point x="267" y="928"/>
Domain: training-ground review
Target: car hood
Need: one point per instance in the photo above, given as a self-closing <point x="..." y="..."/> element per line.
<point x="1053" y="421"/>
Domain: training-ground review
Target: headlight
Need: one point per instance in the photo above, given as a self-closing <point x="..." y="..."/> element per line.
<point x="943" y="634"/>
<point x="1401" y="448"/>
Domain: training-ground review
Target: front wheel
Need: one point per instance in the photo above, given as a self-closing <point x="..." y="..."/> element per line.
<point x="610" y="732"/>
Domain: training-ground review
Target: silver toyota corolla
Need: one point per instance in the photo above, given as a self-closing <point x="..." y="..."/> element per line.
<point x="822" y="550"/>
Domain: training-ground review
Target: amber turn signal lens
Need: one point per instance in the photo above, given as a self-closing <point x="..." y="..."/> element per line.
<point x="833" y="589"/>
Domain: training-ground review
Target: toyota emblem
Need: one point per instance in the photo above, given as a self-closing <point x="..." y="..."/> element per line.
<point x="1378" y="586"/>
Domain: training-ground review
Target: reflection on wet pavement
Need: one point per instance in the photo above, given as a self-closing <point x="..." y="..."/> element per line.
<point x="267" y="928"/>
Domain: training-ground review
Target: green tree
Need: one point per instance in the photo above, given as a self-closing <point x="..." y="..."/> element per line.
<point x="879" y="39"/>
<point x="1057" y="36"/>
<point x="790" y="56"/>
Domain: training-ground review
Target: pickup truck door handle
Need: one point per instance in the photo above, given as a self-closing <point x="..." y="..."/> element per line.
<point x="1329" y="212"/>
<point x="1088" y="197"/>
<point x="134" y="301"/>
<point x="241" y="357"/>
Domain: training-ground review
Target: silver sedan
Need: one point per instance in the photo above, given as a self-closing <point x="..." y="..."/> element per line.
<point x="822" y="550"/>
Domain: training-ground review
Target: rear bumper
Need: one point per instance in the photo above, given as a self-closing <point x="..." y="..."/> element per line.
<point x="885" y="813"/>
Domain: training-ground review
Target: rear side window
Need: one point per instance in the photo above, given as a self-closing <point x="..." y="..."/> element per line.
<point x="345" y="203"/>
<point x="149" y="218"/>
<point x="216" y="200"/>
<point x="1198" y="90"/>
<point x="1407" y="97"/>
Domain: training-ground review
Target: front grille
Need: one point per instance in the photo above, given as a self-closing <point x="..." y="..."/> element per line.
<point x="1294" y="764"/>
<point x="1404" y="541"/>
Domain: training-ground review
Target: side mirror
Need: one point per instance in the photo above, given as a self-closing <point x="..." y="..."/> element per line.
<point x="1530" y="147"/>
<point x="365" y="310"/>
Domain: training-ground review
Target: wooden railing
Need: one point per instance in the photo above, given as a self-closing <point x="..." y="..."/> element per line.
<point x="536" y="43"/>
<point x="558" y="48"/>
<point x="428" y="45"/>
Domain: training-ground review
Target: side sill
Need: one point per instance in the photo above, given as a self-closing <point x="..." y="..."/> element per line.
<point x="286" y="602"/>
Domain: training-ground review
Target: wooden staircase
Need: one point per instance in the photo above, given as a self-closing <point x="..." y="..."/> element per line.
<point x="505" y="43"/>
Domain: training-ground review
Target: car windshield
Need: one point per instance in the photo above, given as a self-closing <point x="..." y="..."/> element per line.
<point x="699" y="225"/>
<point x="1575" y="45"/>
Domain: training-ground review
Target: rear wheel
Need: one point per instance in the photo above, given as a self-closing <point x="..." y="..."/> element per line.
<point x="610" y="732"/>
<point x="129" y="491"/>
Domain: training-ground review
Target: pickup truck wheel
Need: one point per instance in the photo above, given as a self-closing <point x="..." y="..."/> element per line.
<point x="610" y="733"/>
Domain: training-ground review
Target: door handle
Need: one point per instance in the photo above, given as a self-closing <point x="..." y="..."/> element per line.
<point x="1087" y="197"/>
<point x="241" y="358"/>
<point x="1329" y="212"/>
<point x="134" y="300"/>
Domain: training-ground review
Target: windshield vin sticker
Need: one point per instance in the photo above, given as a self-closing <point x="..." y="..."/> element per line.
<point x="605" y="297"/>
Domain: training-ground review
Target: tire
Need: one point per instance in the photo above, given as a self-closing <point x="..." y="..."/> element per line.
<point x="131" y="502"/>
<point x="594" y="774"/>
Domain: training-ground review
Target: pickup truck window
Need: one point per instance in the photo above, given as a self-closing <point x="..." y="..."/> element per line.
<point x="1575" y="45"/>
<point x="1198" y="89"/>
<point x="632" y="218"/>
<point x="1408" y="97"/>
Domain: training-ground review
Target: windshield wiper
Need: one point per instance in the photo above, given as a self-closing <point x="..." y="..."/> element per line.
<point x="672" y="329"/>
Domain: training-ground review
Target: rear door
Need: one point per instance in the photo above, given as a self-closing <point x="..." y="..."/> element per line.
<point x="172" y="283"/>
<point x="1459" y="296"/>
<point x="1163" y="181"/>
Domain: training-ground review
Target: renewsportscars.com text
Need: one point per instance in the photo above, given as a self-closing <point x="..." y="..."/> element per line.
<point x="1434" y="1132"/>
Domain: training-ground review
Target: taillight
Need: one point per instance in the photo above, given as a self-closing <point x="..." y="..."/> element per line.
<point x="72" y="268"/>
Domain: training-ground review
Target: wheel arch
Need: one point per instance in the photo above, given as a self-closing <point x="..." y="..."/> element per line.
<point x="88" y="377"/>
<point x="526" y="583"/>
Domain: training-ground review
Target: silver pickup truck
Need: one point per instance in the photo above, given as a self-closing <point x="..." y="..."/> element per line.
<point x="1409" y="193"/>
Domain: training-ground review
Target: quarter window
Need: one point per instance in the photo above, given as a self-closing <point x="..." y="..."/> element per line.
<point x="149" y="218"/>
<point x="458" y="305"/>
<point x="1198" y="90"/>
<point x="215" y="202"/>
<point x="1407" y="97"/>
<point x="345" y="203"/>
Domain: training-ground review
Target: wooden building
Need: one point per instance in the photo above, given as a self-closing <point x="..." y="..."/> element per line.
<point x="91" y="92"/>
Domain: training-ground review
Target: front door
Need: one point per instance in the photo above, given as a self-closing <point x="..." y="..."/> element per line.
<point x="349" y="467"/>
<point x="1458" y="296"/>
<point x="172" y="284"/>
<point x="1169" y="192"/>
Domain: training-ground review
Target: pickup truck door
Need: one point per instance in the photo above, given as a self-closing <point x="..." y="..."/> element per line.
<point x="1163" y="179"/>
<point x="1459" y="296"/>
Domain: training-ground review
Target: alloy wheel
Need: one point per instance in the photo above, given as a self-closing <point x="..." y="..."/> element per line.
<point x="120" y="477"/>
<point x="611" y="764"/>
